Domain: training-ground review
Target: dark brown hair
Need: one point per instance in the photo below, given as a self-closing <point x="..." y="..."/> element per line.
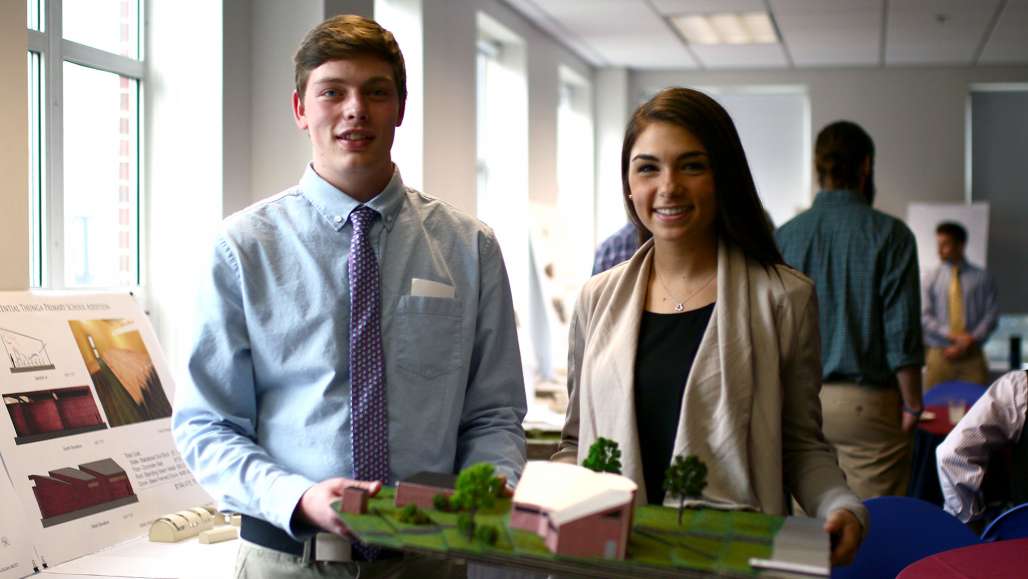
<point x="347" y="36"/>
<point x="741" y="219"/>
<point x="839" y="155"/>
<point x="954" y="230"/>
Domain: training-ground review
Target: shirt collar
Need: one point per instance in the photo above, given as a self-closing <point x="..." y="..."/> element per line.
<point x="335" y="206"/>
<point x="839" y="197"/>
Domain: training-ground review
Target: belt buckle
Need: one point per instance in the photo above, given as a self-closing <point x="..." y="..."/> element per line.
<point x="332" y="548"/>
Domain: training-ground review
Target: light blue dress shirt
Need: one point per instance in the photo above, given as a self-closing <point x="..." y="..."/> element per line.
<point x="266" y="413"/>
<point x="981" y="308"/>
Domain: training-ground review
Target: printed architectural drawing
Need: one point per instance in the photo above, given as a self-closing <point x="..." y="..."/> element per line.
<point x="25" y="353"/>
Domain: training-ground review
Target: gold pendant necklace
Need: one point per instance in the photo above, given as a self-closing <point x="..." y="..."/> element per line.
<point x="680" y="305"/>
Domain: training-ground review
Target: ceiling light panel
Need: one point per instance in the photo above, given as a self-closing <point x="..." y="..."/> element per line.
<point x="726" y="28"/>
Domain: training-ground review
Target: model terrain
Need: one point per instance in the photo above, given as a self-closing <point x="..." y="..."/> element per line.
<point x="588" y="512"/>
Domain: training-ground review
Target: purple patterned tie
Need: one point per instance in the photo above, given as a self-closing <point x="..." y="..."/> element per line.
<point x="369" y="423"/>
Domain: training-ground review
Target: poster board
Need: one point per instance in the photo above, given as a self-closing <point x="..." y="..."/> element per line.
<point x="85" y="432"/>
<point x="922" y="218"/>
<point x="15" y="552"/>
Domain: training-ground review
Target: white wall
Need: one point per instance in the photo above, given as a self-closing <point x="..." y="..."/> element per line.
<point x="236" y="105"/>
<point x="14" y="160"/>
<point x="279" y="151"/>
<point x="916" y="117"/>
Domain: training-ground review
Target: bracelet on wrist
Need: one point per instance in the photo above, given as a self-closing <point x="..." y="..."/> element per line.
<point x="915" y="413"/>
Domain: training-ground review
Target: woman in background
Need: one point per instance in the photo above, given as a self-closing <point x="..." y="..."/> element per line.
<point x="704" y="342"/>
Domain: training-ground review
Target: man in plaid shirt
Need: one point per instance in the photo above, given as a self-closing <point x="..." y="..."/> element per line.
<point x="616" y="248"/>
<point x="864" y="266"/>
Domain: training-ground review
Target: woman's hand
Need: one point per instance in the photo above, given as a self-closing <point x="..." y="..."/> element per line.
<point x="846" y="532"/>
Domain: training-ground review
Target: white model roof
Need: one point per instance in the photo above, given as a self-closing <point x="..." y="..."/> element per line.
<point x="566" y="492"/>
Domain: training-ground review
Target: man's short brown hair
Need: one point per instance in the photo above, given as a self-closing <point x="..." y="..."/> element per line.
<point x="840" y="152"/>
<point x="348" y="36"/>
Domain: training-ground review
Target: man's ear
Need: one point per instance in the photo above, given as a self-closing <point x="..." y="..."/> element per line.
<point x="299" y="113"/>
<point x="865" y="167"/>
<point x="399" y="115"/>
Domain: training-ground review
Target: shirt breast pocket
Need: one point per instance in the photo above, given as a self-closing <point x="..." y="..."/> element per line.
<point x="429" y="335"/>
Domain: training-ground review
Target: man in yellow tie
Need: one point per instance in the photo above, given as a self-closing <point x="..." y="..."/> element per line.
<point x="959" y="311"/>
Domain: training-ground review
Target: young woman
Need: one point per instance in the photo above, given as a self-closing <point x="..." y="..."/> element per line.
<point x="704" y="342"/>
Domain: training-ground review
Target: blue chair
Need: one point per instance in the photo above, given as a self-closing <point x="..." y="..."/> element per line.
<point x="903" y="530"/>
<point x="943" y="392"/>
<point x="1012" y="524"/>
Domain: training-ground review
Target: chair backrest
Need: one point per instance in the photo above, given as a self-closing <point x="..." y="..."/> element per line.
<point x="903" y="530"/>
<point x="943" y="392"/>
<point x="1012" y="524"/>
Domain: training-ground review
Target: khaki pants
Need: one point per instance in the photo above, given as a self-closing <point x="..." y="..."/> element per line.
<point x="970" y="368"/>
<point x="864" y="424"/>
<point x="256" y="562"/>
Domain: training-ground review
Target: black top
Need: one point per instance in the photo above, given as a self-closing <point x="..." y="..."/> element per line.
<point x="667" y="348"/>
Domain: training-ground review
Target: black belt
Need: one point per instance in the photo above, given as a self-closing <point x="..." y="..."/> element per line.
<point x="263" y="533"/>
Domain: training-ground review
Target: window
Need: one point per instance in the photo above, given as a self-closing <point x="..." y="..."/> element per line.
<point x="85" y="79"/>
<point x="575" y="236"/>
<point x="563" y="229"/>
<point x="502" y="165"/>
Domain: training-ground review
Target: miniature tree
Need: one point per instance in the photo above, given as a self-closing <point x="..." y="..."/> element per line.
<point x="685" y="478"/>
<point x="604" y="456"/>
<point x="477" y="488"/>
<point x="412" y="515"/>
<point x="441" y="502"/>
<point x="487" y="534"/>
<point x="465" y="526"/>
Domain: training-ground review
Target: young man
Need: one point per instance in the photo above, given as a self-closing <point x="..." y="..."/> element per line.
<point x="864" y="266"/>
<point x="353" y="330"/>
<point x="995" y="421"/>
<point x="959" y="312"/>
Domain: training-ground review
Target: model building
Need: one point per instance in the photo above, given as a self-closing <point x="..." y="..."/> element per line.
<point x="422" y="487"/>
<point x="577" y="512"/>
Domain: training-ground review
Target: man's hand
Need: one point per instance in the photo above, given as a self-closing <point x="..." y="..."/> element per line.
<point x="960" y="343"/>
<point x="845" y="531"/>
<point x="909" y="422"/>
<point x="315" y="506"/>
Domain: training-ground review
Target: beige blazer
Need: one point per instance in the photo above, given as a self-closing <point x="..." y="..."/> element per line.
<point x="751" y="409"/>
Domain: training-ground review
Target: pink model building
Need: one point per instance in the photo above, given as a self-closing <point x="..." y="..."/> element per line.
<point x="577" y="512"/>
<point x="422" y="488"/>
<point x="355" y="501"/>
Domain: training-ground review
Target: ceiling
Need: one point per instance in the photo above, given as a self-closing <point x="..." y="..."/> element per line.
<point x="637" y="34"/>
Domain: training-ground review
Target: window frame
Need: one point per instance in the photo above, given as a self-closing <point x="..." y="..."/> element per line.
<point x="51" y="51"/>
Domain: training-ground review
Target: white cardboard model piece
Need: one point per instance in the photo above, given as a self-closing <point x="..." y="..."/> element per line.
<point x="577" y="512"/>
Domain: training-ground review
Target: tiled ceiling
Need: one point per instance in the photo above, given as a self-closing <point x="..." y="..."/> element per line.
<point x="637" y="34"/>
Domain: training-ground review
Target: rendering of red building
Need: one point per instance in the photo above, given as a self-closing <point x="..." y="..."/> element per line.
<point x="111" y="475"/>
<point x="70" y="493"/>
<point x="46" y="414"/>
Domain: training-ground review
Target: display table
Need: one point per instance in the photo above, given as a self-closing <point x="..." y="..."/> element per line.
<point x="986" y="561"/>
<point x="139" y="558"/>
